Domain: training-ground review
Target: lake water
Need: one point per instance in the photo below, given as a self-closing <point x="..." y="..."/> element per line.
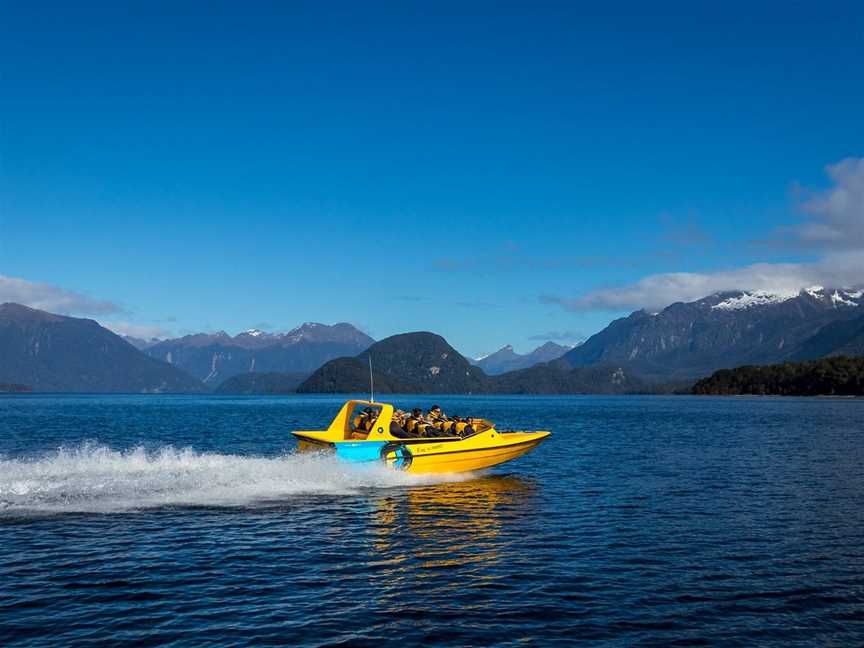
<point x="643" y="521"/>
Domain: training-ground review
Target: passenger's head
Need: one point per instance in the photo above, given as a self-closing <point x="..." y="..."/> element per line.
<point x="435" y="409"/>
<point x="416" y="411"/>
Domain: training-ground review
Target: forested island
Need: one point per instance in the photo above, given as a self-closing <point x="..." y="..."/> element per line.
<point x="834" y="376"/>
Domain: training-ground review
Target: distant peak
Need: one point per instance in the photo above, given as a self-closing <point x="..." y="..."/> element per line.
<point x="744" y="299"/>
<point x="554" y="345"/>
<point x="15" y="306"/>
<point x="20" y="310"/>
<point x="505" y="352"/>
<point x="304" y="327"/>
<point x="507" y="349"/>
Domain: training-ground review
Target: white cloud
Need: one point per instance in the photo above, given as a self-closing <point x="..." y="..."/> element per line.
<point x="834" y="231"/>
<point x="655" y="292"/>
<point x="837" y="215"/>
<point x="52" y="298"/>
<point x="132" y="329"/>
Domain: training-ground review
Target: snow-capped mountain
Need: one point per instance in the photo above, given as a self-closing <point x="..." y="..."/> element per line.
<point x="311" y="332"/>
<point x="743" y="300"/>
<point x="215" y="357"/>
<point x="723" y="330"/>
<point x="342" y="333"/>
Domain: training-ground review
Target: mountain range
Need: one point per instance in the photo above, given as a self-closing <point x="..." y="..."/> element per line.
<point x="424" y="363"/>
<point x="214" y="358"/>
<point x="506" y="359"/>
<point x="642" y="352"/>
<point x="45" y="352"/>
<point x="728" y="329"/>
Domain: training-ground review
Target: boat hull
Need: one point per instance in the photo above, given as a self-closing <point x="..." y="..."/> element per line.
<point x="424" y="456"/>
<point x="467" y="460"/>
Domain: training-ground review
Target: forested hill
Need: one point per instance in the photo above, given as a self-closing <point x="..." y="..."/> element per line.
<point x="835" y="376"/>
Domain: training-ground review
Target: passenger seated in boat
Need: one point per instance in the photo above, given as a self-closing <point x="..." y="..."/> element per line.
<point x="371" y="417"/>
<point x="420" y="425"/>
<point x="396" y="426"/>
<point x="450" y="426"/>
<point x="439" y="421"/>
<point x="463" y="427"/>
<point x="412" y="422"/>
<point x="363" y="423"/>
<point x="453" y="425"/>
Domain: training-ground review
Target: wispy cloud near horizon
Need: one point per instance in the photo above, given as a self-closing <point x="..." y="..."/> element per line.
<point x="53" y="298"/>
<point x="836" y="215"/>
<point x="133" y="329"/>
<point x="833" y="232"/>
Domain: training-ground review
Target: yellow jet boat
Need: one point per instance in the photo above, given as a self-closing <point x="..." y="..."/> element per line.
<point x="482" y="448"/>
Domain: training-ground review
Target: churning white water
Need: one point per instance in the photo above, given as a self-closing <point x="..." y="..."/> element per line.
<point x="95" y="478"/>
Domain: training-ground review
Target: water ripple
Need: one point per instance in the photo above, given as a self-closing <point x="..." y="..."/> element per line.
<point x="643" y="521"/>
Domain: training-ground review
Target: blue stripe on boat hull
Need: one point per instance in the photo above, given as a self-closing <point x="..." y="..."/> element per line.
<point x="359" y="450"/>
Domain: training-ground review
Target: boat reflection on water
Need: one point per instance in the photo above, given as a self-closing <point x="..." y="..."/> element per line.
<point x="458" y="526"/>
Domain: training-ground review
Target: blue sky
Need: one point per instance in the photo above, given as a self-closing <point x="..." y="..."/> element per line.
<point x="500" y="173"/>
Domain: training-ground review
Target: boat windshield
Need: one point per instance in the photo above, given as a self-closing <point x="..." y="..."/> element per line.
<point x="362" y="420"/>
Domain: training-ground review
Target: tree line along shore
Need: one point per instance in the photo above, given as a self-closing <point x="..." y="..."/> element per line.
<point x="834" y="376"/>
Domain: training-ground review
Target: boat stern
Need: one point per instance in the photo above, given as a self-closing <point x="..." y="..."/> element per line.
<point x="313" y="441"/>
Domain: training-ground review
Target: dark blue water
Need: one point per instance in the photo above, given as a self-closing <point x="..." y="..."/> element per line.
<point x="652" y="521"/>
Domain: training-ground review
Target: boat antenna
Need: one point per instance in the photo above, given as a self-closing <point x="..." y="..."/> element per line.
<point x="371" y="382"/>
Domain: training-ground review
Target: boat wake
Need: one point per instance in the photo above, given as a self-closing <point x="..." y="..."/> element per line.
<point x="95" y="478"/>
